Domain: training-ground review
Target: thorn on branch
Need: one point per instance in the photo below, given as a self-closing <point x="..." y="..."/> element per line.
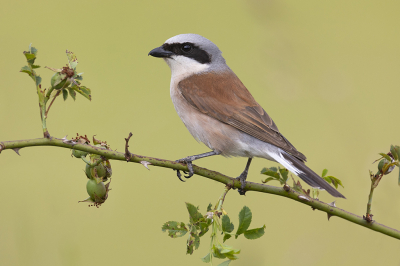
<point x="66" y="141"/>
<point x="332" y="204"/>
<point x="17" y="151"/>
<point x="304" y="198"/>
<point x="128" y="155"/>
<point x="145" y="164"/>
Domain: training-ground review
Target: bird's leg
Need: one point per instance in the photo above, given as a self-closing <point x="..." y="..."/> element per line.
<point x="243" y="177"/>
<point x="188" y="161"/>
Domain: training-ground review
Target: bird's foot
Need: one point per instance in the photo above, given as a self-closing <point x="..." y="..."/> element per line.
<point x="242" y="178"/>
<point x="188" y="161"/>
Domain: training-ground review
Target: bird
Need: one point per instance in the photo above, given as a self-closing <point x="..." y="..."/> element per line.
<point x="219" y="111"/>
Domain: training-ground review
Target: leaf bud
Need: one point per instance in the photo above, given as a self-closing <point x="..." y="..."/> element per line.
<point x="78" y="153"/>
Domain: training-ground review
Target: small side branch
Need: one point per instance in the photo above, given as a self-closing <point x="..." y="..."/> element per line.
<point x="216" y="176"/>
<point x="51" y="103"/>
<point x="128" y="155"/>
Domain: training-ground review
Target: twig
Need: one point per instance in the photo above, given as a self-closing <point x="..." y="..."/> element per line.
<point x="250" y="186"/>
<point x="222" y="198"/>
<point x="368" y="216"/>
<point x="51" y="103"/>
<point x="128" y="155"/>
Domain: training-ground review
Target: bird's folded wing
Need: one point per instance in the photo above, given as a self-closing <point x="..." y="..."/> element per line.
<point x="225" y="98"/>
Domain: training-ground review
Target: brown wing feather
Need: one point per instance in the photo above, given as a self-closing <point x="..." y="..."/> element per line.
<point x="224" y="97"/>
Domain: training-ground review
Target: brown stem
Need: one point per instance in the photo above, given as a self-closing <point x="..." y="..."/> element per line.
<point x="52" y="101"/>
<point x="128" y="155"/>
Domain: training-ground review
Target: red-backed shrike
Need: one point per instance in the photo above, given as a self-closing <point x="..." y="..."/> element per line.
<point x="219" y="111"/>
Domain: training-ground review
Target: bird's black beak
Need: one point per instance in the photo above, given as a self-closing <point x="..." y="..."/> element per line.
<point x="160" y="52"/>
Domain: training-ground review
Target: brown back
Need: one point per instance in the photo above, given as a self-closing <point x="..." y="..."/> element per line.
<point x="224" y="97"/>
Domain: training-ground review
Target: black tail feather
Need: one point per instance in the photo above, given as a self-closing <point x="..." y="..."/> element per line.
<point x="310" y="177"/>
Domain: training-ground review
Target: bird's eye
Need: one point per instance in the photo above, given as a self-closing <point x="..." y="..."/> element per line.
<point x="186" y="47"/>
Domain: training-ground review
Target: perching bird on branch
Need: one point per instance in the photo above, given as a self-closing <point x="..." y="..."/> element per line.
<point x="219" y="111"/>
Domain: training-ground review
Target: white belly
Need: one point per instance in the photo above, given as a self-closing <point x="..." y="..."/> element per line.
<point x="216" y="135"/>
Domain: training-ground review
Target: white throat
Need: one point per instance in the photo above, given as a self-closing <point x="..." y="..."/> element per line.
<point x="182" y="67"/>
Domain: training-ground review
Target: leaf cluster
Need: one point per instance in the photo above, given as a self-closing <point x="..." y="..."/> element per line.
<point x="30" y="56"/>
<point x="200" y="224"/>
<point x="331" y="179"/>
<point x="281" y="175"/>
<point x="275" y="174"/>
<point x="68" y="81"/>
<point x="386" y="165"/>
<point x="65" y="81"/>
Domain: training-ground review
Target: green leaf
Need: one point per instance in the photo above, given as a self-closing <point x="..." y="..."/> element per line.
<point x="196" y="241"/>
<point x="298" y="188"/>
<point x="30" y="57"/>
<point x="228" y="251"/>
<point x="285" y="174"/>
<point x="397" y="148"/>
<point x="226" y="237"/>
<point x="227" y="226"/>
<point x="209" y="207"/>
<point x="175" y="229"/>
<point x="38" y="80"/>
<point x="57" y="79"/>
<point x="333" y="180"/>
<point x="399" y="178"/>
<point x="225" y="263"/>
<point x="192" y="243"/>
<point x="204" y="226"/>
<point x="83" y="91"/>
<point x="244" y="220"/>
<point x="270" y="172"/>
<point x="72" y="93"/>
<point x="269" y="179"/>
<point x="231" y="256"/>
<point x="206" y="258"/>
<point x="393" y="152"/>
<point x="33" y="50"/>
<point x="324" y="172"/>
<point x="217" y="252"/>
<point x="73" y="61"/>
<point x="26" y="69"/>
<point x="35" y="66"/>
<point x="387" y="157"/>
<point x="315" y="192"/>
<point x="254" y="233"/>
<point x="194" y="213"/>
<point x="65" y="94"/>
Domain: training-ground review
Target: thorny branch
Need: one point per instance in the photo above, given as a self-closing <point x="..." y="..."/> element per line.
<point x="287" y="192"/>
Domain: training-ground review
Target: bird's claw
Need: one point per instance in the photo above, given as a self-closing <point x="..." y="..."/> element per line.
<point x="188" y="162"/>
<point x="242" y="179"/>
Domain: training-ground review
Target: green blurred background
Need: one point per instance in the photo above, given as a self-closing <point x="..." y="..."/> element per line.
<point x="326" y="71"/>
